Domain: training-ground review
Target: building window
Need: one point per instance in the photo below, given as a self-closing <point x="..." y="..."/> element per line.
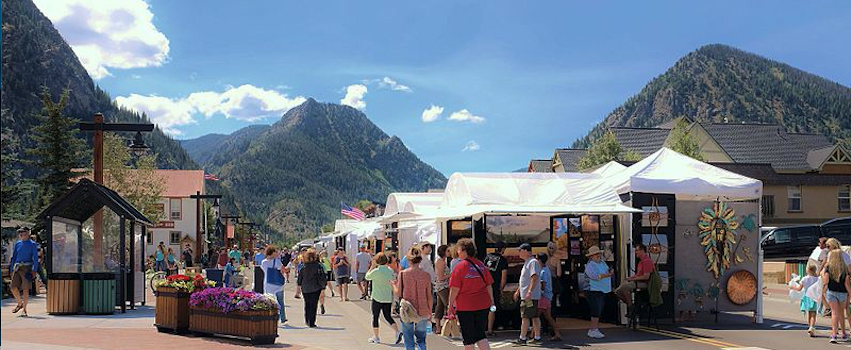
<point x="174" y="237"/>
<point x="844" y="198"/>
<point x="149" y="237"/>
<point x="794" y="198"/>
<point x="768" y="206"/>
<point x="176" y="208"/>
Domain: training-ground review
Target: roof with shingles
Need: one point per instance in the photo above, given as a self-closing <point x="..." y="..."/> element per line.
<point x="645" y="141"/>
<point x="766" y="143"/>
<point x="570" y="157"/>
<point x="541" y="165"/>
<point x="769" y="177"/>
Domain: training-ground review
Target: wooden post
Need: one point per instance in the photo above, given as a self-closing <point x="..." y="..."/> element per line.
<point x="122" y="265"/>
<point x="132" y="281"/>
<point x="97" y="220"/>
<point x="197" y="251"/>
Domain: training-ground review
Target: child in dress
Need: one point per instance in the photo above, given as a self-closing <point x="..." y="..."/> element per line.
<point x="808" y="305"/>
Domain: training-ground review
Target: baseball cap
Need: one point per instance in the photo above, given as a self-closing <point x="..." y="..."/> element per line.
<point x="526" y="247"/>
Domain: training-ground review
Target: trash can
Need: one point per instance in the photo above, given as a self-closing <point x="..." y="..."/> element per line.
<point x="215" y="275"/>
<point x="259" y="278"/>
<point x="64" y="295"/>
<point x="99" y="293"/>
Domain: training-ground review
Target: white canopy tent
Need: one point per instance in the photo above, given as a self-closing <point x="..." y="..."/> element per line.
<point x="667" y="171"/>
<point x="469" y="194"/>
<point x="609" y="169"/>
<point x="355" y="231"/>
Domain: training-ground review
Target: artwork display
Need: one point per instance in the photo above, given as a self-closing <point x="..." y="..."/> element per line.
<point x="717" y="235"/>
<point x="657" y="247"/>
<point x="590" y="223"/>
<point x="608" y="250"/>
<point x="666" y="280"/>
<point x="590" y="239"/>
<point x="560" y="236"/>
<point x="575" y="227"/>
<point x="517" y="229"/>
<point x="654" y="216"/>
<point x="575" y="248"/>
<point x="607" y="224"/>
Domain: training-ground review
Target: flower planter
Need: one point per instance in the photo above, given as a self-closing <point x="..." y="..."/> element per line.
<point x="172" y="312"/>
<point x="259" y="327"/>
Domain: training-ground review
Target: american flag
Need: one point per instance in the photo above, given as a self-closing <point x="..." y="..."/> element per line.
<point x="353" y="213"/>
<point x="211" y="177"/>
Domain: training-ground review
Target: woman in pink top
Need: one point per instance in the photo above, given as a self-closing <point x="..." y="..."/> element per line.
<point x="414" y="285"/>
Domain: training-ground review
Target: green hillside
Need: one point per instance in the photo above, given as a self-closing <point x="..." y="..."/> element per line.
<point x="719" y="81"/>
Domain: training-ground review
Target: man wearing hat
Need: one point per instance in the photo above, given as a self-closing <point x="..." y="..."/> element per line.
<point x="498" y="267"/>
<point x="600" y="283"/>
<point x="529" y="294"/>
<point x="23" y="267"/>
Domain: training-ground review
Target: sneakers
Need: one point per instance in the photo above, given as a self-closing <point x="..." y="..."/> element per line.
<point x="596" y="334"/>
<point x="845" y="337"/>
<point x="519" y="341"/>
<point x="535" y="342"/>
<point x="374" y="340"/>
<point x="833" y="339"/>
<point x="811" y="332"/>
<point x="399" y="338"/>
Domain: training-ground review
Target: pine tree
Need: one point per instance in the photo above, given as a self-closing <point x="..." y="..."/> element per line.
<point x="682" y="141"/>
<point x="603" y="150"/>
<point x="58" y="151"/>
<point x="11" y="172"/>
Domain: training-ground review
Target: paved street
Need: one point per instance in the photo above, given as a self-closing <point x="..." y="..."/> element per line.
<point x="347" y="325"/>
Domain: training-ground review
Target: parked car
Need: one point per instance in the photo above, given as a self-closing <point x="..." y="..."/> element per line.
<point x="797" y="242"/>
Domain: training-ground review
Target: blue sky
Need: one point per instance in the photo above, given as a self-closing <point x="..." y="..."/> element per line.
<point x="513" y="80"/>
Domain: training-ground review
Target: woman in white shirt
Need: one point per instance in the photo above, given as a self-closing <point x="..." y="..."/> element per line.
<point x="274" y="278"/>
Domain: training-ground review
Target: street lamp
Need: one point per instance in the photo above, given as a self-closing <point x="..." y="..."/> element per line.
<point x="198" y="197"/>
<point x="137" y="146"/>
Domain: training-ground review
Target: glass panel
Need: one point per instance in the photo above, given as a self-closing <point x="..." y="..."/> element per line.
<point x="794" y="191"/>
<point x="105" y="260"/>
<point x="176" y="209"/>
<point x="807" y="234"/>
<point x="65" y="246"/>
<point x="782" y="236"/>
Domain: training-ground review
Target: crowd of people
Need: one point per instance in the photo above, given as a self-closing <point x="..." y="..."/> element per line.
<point x="825" y="288"/>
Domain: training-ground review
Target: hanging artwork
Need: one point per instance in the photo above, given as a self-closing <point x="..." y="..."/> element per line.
<point x="575" y="248"/>
<point x="657" y="247"/>
<point x="654" y="216"/>
<point x="717" y="235"/>
<point x="575" y="227"/>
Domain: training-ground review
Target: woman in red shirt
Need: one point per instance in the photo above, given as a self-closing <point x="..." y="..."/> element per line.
<point x="470" y="296"/>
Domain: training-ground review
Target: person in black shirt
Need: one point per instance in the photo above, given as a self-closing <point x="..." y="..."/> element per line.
<point x="285" y="260"/>
<point x="498" y="267"/>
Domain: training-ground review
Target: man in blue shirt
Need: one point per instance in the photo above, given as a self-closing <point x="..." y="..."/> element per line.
<point x="23" y="267"/>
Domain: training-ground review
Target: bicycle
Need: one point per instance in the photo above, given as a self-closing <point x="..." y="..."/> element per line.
<point x="156" y="277"/>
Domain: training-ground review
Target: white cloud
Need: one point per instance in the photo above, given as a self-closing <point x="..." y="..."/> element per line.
<point x="246" y="102"/>
<point x="354" y="96"/>
<point x="432" y="113"/>
<point x="108" y="34"/>
<point x="465" y="116"/>
<point x="163" y="111"/>
<point x="135" y="76"/>
<point x="387" y="82"/>
<point x="471" y="146"/>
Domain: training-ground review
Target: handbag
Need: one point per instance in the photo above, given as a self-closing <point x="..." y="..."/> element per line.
<point x="407" y="312"/>
<point x="450" y="328"/>
<point x="274" y="276"/>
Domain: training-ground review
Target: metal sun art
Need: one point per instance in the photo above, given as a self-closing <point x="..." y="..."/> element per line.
<point x="718" y="236"/>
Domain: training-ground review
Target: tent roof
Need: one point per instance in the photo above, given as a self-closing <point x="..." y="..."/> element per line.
<point x="85" y="198"/>
<point x="361" y="228"/>
<point x="402" y="206"/>
<point x="609" y="168"/>
<point x="528" y="193"/>
<point x="667" y="171"/>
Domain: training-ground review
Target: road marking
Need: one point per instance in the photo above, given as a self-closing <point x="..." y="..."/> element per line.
<point x="690" y="337"/>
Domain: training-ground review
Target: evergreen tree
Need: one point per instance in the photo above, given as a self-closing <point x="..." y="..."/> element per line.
<point x="603" y="150"/>
<point x="11" y="173"/>
<point x="682" y="141"/>
<point x="58" y="151"/>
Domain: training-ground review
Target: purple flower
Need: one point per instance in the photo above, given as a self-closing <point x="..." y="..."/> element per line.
<point x="228" y="299"/>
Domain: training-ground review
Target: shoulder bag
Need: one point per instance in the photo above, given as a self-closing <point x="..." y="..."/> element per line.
<point x="407" y="312"/>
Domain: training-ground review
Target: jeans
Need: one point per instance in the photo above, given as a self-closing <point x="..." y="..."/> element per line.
<point x="280" y="296"/>
<point x="415" y="334"/>
<point x="311" y="301"/>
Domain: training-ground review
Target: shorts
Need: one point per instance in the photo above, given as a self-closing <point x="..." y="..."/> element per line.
<point x="627" y="287"/>
<point x="21" y="277"/>
<point x="595" y="302"/>
<point x="360" y="277"/>
<point x="544" y="304"/>
<point x="473" y="324"/>
<point x="529" y="308"/>
<point x="329" y="276"/>
<point x="342" y="280"/>
<point x="835" y="297"/>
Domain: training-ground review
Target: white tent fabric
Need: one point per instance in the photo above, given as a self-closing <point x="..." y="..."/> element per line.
<point x="469" y="194"/>
<point x="609" y="169"/>
<point x="667" y="171"/>
<point x="408" y="205"/>
<point x="362" y="229"/>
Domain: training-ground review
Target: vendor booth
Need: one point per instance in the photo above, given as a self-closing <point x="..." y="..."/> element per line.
<point x="81" y="280"/>
<point x="701" y="226"/>
<point x="351" y="234"/>
<point x="573" y="210"/>
<point x="402" y="223"/>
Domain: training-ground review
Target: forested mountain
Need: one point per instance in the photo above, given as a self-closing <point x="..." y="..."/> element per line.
<point x="293" y="175"/>
<point x="718" y="81"/>
<point x="209" y="149"/>
<point x="34" y="55"/>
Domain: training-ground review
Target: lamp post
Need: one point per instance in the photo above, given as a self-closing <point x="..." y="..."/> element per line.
<point x="198" y="197"/>
<point x="225" y="233"/>
<point x="250" y="232"/>
<point x="137" y="147"/>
